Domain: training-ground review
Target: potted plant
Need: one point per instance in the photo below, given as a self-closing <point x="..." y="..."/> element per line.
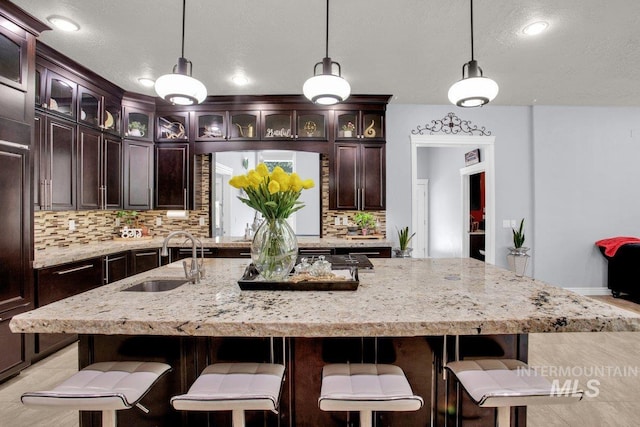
<point x="137" y="129"/>
<point x="404" y="251"/>
<point x="518" y="257"/>
<point x="365" y="221"/>
<point x="348" y="129"/>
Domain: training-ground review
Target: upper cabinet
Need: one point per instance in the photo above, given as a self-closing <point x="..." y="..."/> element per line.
<point x="173" y="127"/>
<point x="13" y="56"/>
<point x="72" y="92"/>
<point x="211" y="126"/>
<point x="60" y="94"/>
<point x="288" y="125"/>
<point x="359" y="124"/>
<point x="244" y="125"/>
<point x="139" y="117"/>
<point x="90" y="106"/>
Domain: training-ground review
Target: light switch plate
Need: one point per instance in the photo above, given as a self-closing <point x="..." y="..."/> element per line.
<point x="72" y="225"/>
<point x="506" y="223"/>
<point x="158" y="221"/>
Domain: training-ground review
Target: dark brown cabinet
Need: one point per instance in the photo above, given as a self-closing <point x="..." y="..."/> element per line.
<point x="357" y="176"/>
<point x="15" y="253"/>
<point x="144" y="260"/>
<point x="359" y="124"/>
<point x="172" y="180"/>
<point x="138" y="175"/>
<point x="116" y="267"/>
<point x="59" y="282"/>
<point x="296" y="124"/>
<point x="99" y="170"/>
<point x="60" y="96"/>
<point x="55" y="169"/>
<point x="173" y="127"/>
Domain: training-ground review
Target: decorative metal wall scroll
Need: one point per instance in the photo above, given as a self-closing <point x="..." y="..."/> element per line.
<point x="451" y="125"/>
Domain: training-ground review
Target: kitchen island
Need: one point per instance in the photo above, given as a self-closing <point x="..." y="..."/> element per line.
<point x="391" y="315"/>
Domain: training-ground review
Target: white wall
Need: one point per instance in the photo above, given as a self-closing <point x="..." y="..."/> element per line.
<point x="571" y="172"/>
<point x="511" y="127"/>
<point x="442" y="167"/>
<point x="586" y="188"/>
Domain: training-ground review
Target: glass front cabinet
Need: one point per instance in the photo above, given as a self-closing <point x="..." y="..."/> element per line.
<point x="211" y="126"/>
<point x="351" y="125"/>
<point x="298" y="125"/>
<point x="138" y="124"/>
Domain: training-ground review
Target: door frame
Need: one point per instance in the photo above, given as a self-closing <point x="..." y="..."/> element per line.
<point x="453" y="141"/>
<point x="465" y="191"/>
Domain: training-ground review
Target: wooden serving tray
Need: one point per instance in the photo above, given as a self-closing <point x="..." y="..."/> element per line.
<point x="251" y="281"/>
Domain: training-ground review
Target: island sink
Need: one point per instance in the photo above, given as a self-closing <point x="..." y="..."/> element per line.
<point x="157" y="285"/>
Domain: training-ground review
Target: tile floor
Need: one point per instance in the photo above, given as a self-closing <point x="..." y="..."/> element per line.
<point x="601" y="358"/>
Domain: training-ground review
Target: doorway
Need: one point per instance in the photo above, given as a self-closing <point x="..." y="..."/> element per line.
<point x="486" y="143"/>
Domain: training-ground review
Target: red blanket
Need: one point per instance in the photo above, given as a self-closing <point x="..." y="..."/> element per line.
<point x="612" y="244"/>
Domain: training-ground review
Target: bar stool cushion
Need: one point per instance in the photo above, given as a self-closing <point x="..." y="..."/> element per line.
<point x="366" y="387"/>
<point x="101" y="386"/>
<point x="234" y="386"/>
<point x="507" y="382"/>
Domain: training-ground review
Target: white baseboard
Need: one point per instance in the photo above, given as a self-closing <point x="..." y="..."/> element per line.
<point x="590" y="291"/>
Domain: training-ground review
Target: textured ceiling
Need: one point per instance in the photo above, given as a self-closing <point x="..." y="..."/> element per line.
<point x="412" y="49"/>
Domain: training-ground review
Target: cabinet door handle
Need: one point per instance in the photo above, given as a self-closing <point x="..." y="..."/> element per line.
<point x="42" y="196"/>
<point x="146" y="253"/>
<point x="364" y="253"/>
<point x="73" y="270"/>
<point x="51" y="194"/>
<point x="245" y="253"/>
<point x="150" y="199"/>
<point x="185" y="199"/>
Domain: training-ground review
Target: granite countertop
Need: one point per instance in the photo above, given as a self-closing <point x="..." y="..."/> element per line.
<point x="402" y="297"/>
<point x="61" y="255"/>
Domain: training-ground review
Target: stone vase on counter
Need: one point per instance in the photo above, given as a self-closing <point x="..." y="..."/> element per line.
<point x="274" y="249"/>
<point x="518" y="260"/>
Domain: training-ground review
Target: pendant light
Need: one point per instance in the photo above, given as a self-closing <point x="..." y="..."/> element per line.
<point x="326" y="88"/>
<point x="474" y="90"/>
<point x="179" y="87"/>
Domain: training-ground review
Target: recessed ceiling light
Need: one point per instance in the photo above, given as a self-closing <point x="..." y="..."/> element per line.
<point x="62" y="23"/>
<point x="535" y="28"/>
<point x="240" y="80"/>
<point x="146" y="82"/>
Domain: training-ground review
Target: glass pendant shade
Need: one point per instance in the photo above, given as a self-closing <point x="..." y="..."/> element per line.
<point x="474" y="90"/>
<point x="179" y="87"/>
<point x="326" y="88"/>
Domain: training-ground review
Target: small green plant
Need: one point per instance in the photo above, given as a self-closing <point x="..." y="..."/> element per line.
<point x="518" y="236"/>
<point x="137" y="125"/>
<point x="129" y="217"/>
<point x="364" y="220"/>
<point x="404" y="238"/>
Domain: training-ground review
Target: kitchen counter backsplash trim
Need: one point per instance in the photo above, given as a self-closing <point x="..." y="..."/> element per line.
<point x="51" y="228"/>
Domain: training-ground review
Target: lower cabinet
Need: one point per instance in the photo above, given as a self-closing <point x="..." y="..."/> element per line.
<point x="371" y="252"/>
<point x="59" y="282"/>
<point x="116" y="267"/>
<point x="16" y="348"/>
<point x="142" y="260"/>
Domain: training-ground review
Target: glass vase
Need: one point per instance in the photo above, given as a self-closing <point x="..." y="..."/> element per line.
<point x="274" y="249"/>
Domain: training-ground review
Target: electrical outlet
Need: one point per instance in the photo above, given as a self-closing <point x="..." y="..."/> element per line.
<point x="201" y="221"/>
<point x="72" y="225"/>
<point x="158" y="221"/>
<point x="506" y="223"/>
<point x="117" y="222"/>
<point x="337" y="221"/>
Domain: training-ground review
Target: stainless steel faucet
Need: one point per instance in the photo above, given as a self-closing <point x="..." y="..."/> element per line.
<point x="194" y="272"/>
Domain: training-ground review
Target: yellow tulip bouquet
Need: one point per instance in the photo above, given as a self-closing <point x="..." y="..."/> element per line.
<point x="274" y="194"/>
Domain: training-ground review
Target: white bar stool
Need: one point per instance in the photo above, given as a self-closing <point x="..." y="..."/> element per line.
<point x="366" y="387"/>
<point x="103" y="386"/>
<point x="235" y="387"/>
<point x="503" y="383"/>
